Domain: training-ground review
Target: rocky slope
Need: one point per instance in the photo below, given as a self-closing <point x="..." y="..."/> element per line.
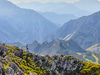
<point x="94" y="48"/>
<point x="84" y="31"/>
<point x="55" y="47"/>
<point x="67" y="47"/>
<point x="16" y="61"/>
<point x="23" y="25"/>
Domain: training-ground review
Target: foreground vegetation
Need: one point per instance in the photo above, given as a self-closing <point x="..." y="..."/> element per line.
<point x="32" y="64"/>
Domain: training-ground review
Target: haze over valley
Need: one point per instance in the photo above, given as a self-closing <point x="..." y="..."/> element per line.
<point x="42" y="37"/>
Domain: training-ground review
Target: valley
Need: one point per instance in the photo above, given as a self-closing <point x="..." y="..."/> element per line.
<point x="49" y="37"/>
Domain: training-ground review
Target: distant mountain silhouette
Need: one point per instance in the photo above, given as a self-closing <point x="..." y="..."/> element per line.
<point x="58" y="19"/>
<point x="89" y="5"/>
<point x="28" y="25"/>
<point x="59" y="8"/>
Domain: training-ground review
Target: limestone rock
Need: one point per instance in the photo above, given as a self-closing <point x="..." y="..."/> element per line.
<point x="3" y="50"/>
<point x="19" y="53"/>
<point x="16" y="69"/>
<point x="9" y="71"/>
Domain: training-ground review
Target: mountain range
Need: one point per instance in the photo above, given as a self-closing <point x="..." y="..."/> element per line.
<point x="58" y="19"/>
<point x="84" y="31"/>
<point x="55" y="47"/>
<point x="22" y="25"/>
<point x="73" y="49"/>
<point x="58" y="46"/>
<point x="89" y="5"/>
<point x="58" y="8"/>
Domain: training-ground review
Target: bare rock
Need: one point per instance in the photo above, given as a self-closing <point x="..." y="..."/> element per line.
<point x="9" y="71"/>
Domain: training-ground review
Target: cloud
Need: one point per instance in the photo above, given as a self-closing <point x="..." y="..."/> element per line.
<point x="43" y="1"/>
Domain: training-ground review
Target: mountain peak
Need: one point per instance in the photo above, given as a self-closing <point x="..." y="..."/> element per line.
<point x="83" y="30"/>
<point x="26" y="23"/>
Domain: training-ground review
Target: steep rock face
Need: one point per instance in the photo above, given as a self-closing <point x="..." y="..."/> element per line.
<point x="26" y="24"/>
<point x="84" y="31"/>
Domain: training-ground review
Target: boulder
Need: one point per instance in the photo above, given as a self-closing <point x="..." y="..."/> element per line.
<point x="32" y="73"/>
<point x="3" y="50"/>
<point x="7" y="58"/>
<point x="9" y="71"/>
<point x="17" y="71"/>
<point x="1" y="68"/>
<point x="19" y="53"/>
<point x="1" y="65"/>
<point x="1" y="72"/>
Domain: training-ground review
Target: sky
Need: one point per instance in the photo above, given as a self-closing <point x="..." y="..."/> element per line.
<point x="43" y="1"/>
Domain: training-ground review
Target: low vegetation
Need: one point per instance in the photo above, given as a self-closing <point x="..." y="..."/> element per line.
<point x="28" y="63"/>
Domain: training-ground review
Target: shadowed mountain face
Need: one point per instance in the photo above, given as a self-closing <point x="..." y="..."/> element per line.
<point x="28" y="25"/>
<point x="7" y="31"/>
<point x="59" y="8"/>
<point x="84" y="31"/>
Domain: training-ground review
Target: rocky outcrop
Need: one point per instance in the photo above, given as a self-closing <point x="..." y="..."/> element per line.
<point x="9" y="71"/>
<point x="19" y="53"/>
<point x="3" y="50"/>
<point x="1" y="68"/>
<point x="17" y="71"/>
<point x="59" y="65"/>
<point x="34" y="64"/>
<point x="7" y="68"/>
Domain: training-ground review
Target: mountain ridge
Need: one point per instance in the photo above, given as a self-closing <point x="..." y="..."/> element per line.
<point x="55" y="7"/>
<point x="27" y="23"/>
<point x="87" y="25"/>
